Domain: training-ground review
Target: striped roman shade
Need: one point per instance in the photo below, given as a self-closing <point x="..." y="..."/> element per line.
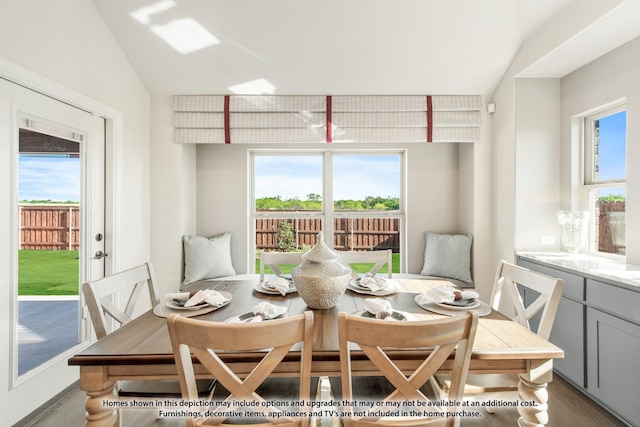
<point x="334" y="119"/>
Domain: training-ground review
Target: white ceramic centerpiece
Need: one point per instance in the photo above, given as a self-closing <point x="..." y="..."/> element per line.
<point x="321" y="279"/>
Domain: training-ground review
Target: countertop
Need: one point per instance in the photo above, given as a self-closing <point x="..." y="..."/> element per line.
<point x="599" y="267"/>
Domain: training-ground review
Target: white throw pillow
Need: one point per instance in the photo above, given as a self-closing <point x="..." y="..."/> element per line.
<point x="207" y="258"/>
<point x="449" y="256"/>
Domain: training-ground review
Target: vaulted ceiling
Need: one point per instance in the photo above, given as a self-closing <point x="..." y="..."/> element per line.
<point x="324" y="46"/>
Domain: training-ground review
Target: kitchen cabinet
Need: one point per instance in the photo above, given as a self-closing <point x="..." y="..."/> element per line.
<point x="598" y="327"/>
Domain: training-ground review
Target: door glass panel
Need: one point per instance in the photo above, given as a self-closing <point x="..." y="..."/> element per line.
<point x="48" y="258"/>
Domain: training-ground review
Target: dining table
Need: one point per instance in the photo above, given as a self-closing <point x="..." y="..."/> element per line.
<point x="141" y="349"/>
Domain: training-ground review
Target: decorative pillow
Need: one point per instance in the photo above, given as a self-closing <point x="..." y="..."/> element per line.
<point x="207" y="258"/>
<point x="448" y="256"/>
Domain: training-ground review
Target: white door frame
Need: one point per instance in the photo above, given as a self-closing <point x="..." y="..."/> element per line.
<point x="51" y="384"/>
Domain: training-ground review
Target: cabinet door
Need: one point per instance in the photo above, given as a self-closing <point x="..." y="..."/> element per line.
<point x="613" y="348"/>
<point x="568" y="334"/>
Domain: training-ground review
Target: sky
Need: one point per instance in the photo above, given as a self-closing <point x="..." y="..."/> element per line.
<point x="48" y="177"/>
<point x="611" y="154"/>
<point x="355" y="176"/>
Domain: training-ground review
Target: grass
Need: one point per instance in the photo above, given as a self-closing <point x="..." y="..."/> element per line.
<point x="358" y="267"/>
<point x="48" y="272"/>
<point x="56" y="272"/>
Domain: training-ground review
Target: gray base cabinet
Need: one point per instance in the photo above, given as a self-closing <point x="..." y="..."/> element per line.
<point x="613" y="370"/>
<point x="598" y="327"/>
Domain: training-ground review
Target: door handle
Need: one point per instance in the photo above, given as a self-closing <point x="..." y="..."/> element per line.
<point x="100" y="255"/>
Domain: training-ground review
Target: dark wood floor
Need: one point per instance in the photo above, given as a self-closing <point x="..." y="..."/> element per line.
<point x="568" y="407"/>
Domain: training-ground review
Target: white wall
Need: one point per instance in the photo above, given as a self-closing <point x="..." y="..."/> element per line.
<point x="611" y="77"/>
<point x="67" y="43"/>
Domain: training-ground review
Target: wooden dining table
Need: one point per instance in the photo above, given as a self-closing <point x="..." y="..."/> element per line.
<point x="141" y="349"/>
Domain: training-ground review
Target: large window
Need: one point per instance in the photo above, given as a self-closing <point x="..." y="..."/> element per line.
<point x="605" y="178"/>
<point x="354" y="198"/>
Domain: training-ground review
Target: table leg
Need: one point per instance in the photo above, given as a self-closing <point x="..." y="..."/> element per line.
<point x="534" y="396"/>
<point x="93" y="382"/>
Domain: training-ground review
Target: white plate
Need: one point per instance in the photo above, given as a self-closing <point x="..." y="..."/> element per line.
<point x="260" y="287"/>
<point x="390" y="289"/>
<point x="482" y="308"/>
<point x="474" y="304"/>
<point x="396" y="316"/>
<point x="247" y="316"/>
<point x="174" y="306"/>
<point x="163" y="310"/>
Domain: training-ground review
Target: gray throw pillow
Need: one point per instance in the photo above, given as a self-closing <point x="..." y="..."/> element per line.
<point x="447" y="255"/>
<point x="207" y="258"/>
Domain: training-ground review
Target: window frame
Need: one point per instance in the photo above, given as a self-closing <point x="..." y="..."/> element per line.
<point x="589" y="186"/>
<point x="328" y="213"/>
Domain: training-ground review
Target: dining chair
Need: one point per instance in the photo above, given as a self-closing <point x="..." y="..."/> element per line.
<point x="206" y="341"/>
<point x="545" y="293"/>
<point x="377" y="258"/>
<point x="274" y="260"/>
<point x="376" y="338"/>
<point x="102" y="297"/>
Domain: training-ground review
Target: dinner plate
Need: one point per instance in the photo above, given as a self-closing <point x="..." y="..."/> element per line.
<point x="390" y="289"/>
<point x="463" y="304"/>
<point x="396" y="315"/>
<point x="482" y="308"/>
<point x="260" y="287"/>
<point x="246" y="316"/>
<point x="179" y="305"/>
<point x="163" y="310"/>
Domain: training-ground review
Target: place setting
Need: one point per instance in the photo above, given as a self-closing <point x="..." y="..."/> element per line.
<point x="190" y="304"/>
<point x="279" y="285"/>
<point x="450" y="301"/>
<point x="261" y="312"/>
<point x="378" y="308"/>
<point x="372" y="285"/>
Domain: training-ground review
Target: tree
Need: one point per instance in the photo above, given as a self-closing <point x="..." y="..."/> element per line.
<point x="285" y="240"/>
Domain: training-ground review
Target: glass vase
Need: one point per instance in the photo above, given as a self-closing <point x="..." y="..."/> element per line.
<point x="574" y="226"/>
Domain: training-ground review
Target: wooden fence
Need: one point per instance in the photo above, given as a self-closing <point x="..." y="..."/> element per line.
<point x="610" y="223"/>
<point x="349" y="233"/>
<point x="50" y="227"/>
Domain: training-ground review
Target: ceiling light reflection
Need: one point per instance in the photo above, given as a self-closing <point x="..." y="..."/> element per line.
<point x="185" y="35"/>
<point x="254" y="87"/>
<point x="143" y="15"/>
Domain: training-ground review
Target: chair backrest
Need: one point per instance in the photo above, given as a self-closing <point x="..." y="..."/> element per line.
<point x="99" y="296"/>
<point x="204" y="339"/>
<point x="506" y="298"/>
<point x="444" y="336"/>
<point x="276" y="259"/>
<point x="378" y="258"/>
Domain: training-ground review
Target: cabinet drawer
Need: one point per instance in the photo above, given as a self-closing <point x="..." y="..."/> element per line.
<point x="620" y="301"/>
<point x="573" y="284"/>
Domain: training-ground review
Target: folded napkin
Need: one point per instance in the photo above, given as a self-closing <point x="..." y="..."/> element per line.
<point x="445" y="294"/>
<point x="261" y="311"/>
<point x="279" y="284"/>
<point x="210" y="296"/>
<point x="373" y="283"/>
<point x="379" y="307"/>
<point x="180" y="296"/>
<point x="266" y="310"/>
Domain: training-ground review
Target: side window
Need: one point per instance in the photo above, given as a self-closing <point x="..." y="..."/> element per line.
<point x="605" y="178"/>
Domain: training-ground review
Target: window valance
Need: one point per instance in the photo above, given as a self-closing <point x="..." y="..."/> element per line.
<point x="230" y="119"/>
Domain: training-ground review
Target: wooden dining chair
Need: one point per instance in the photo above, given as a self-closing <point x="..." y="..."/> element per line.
<point x="275" y="260"/>
<point x="136" y="289"/>
<point x="542" y="297"/>
<point x="376" y="338"/>
<point x="207" y="341"/>
<point x="378" y="258"/>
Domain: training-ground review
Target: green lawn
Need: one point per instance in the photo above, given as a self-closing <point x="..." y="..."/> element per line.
<point x="359" y="268"/>
<point x="47" y="272"/>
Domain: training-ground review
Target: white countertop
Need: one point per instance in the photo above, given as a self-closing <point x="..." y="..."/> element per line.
<point x="596" y="266"/>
